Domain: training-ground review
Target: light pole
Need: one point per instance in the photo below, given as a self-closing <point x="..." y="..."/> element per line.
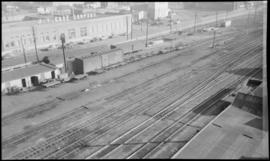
<point x="62" y="37"/>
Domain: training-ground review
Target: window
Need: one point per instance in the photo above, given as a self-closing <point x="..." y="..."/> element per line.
<point x="83" y="31"/>
<point x="12" y="44"/>
<point x="47" y="38"/>
<point x="71" y="33"/>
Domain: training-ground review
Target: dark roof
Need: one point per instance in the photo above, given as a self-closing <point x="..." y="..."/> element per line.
<point x="26" y="71"/>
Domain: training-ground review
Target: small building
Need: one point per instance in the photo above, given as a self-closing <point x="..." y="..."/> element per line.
<point x="28" y="76"/>
<point x="95" y="61"/>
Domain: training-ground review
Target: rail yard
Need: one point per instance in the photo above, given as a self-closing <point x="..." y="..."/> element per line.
<point x="150" y="106"/>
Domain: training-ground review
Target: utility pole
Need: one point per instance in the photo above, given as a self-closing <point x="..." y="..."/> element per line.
<point x="216" y="18"/>
<point x="127" y="26"/>
<point x="23" y="51"/>
<point x="195" y="21"/>
<point x="214" y="37"/>
<point x="62" y="37"/>
<point x="170" y="22"/>
<point x="131" y="33"/>
<point x="195" y="17"/>
<point x="35" y="42"/>
<point x="146" y="41"/>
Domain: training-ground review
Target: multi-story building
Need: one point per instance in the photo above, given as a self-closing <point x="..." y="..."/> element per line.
<point x="48" y="33"/>
<point x="158" y="10"/>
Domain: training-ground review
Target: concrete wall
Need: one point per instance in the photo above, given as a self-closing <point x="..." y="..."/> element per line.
<point x="49" y="33"/>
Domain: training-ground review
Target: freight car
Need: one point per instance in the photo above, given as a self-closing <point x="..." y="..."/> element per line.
<point x="93" y="62"/>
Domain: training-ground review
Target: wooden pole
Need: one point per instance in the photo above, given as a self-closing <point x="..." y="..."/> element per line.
<point x="216" y="18"/>
<point x="127" y="26"/>
<point x="214" y="37"/>
<point x="131" y="33"/>
<point x="35" y="42"/>
<point x="24" y="55"/>
<point x="146" y="41"/>
<point x="195" y="21"/>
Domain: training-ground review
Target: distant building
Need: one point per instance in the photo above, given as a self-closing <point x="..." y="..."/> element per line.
<point x="28" y="76"/>
<point x="158" y="10"/>
<point x="210" y="6"/>
<point x="76" y="29"/>
<point x="66" y="3"/>
<point x="176" y="5"/>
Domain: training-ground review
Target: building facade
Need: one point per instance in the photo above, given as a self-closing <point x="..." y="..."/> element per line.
<point x="48" y="33"/>
<point x="158" y="10"/>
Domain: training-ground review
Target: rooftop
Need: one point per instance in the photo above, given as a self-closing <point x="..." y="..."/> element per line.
<point x="26" y="71"/>
<point x="234" y="134"/>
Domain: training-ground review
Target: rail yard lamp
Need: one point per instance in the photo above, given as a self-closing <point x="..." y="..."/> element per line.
<point x="63" y="40"/>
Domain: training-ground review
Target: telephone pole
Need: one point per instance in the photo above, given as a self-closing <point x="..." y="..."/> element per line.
<point x="23" y="51"/>
<point x="170" y="22"/>
<point x="214" y="37"/>
<point x="131" y="33"/>
<point x="127" y="26"/>
<point x="195" y="21"/>
<point x="62" y="37"/>
<point x="35" y="42"/>
<point x="146" y="40"/>
<point x="216" y="18"/>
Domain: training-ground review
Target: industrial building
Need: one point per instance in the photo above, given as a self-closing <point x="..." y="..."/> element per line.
<point x="210" y="6"/>
<point x="158" y="10"/>
<point x="95" y="61"/>
<point x="48" y="33"/>
<point x="28" y="76"/>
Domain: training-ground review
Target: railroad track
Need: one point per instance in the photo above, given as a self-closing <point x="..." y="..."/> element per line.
<point x="72" y="113"/>
<point x="22" y="114"/>
<point x="123" y="139"/>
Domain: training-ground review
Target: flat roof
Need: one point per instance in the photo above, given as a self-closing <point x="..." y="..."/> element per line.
<point x="234" y="134"/>
<point x="26" y="71"/>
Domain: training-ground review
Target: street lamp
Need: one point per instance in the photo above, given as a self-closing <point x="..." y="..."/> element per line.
<point x="63" y="40"/>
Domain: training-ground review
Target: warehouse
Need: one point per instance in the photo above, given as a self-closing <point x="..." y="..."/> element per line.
<point x="28" y="76"/>
<point x="95" y="61"/>
<point x="48" y="33"/>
